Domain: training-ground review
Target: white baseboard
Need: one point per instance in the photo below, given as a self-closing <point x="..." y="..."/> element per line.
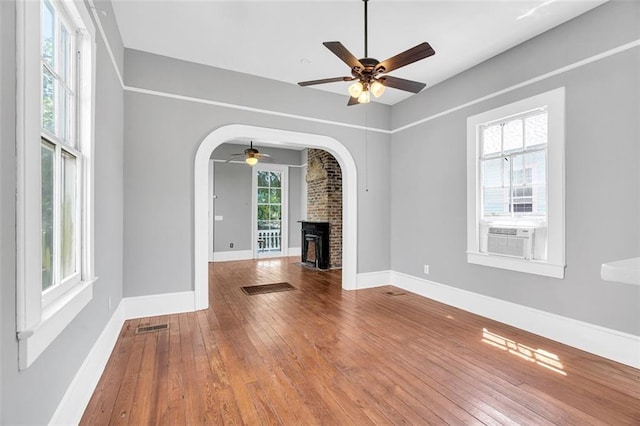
<point x="226" y="256"/>
<point x="158" y="304"/>
<point x="80" y="391"/>
<point x="611" y="344"/>
<point x="373" y="279"/>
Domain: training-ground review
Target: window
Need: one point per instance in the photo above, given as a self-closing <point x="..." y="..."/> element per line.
<point x="55" y="140"/>
<point x="269" y="211"/>
<point x="270" y="183"/>
<point x="60" y="158"/>
<point x="515" y="186"/>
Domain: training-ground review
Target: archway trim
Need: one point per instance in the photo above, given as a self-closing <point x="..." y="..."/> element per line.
<point x="276" y="137"/>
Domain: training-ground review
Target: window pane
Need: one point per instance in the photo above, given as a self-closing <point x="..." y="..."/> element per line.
<point x="47" y="158"/>
<point x="275" y="212"/>
<point x="64" y="114"/>
<point x="535" y="130"/>
<point x="68" y="212"/>
<point x="512" y="135"/>
<point x="536" y="163"/>
<point x="275" y="225"/>
<point x="263" y="224"/>
<point x="263" y="195"/>
<point x="540" y="199"/>
<point x="48" y="101"/>
<point x="491" y="142"/>
<point x="274" y="180"/>
<point x="518" y="173"/>
<point x="492" y="172"/>
<point x="263" y="212"/>
<point x="48" y="34"/>
<point x="64" y="67"/>
<point x="263" y="179"/>
<point x="274" y="196"/>
<point x="495" y="201"/>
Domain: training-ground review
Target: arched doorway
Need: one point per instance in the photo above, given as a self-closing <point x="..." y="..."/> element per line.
<point x="275" y="137"/>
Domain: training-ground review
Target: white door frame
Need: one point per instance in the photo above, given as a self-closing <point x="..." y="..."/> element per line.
<point x="274" y="137"/>
<point x="284" y="196"/>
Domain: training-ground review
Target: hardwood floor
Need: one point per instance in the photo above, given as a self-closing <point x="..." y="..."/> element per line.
<point x="319" y="355"/>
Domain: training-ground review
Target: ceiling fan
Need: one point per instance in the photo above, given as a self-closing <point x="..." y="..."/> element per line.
<point x="251" y="155"/>
<point x="368" y="71"/>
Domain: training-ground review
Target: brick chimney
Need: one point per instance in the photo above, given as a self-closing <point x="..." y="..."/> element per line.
<point x="324" y="198"/>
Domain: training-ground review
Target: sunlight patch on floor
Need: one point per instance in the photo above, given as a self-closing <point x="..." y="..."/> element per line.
<point x="541" y="357"/>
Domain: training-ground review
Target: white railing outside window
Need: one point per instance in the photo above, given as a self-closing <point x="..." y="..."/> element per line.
<point x="269" y="240"/>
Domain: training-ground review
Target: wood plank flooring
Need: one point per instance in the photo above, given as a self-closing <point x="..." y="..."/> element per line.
<point x="320" y="355"/>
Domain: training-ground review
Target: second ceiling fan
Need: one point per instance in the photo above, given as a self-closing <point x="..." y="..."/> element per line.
<point x="369" y="71"/>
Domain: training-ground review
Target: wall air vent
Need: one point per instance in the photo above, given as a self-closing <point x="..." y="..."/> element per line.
<point x="514" y="242"/>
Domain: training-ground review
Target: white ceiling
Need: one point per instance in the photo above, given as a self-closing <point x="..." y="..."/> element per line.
<point x="282" y="40"/>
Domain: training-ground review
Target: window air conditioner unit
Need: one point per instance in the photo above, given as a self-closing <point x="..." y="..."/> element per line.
<point x="515" y="242"/>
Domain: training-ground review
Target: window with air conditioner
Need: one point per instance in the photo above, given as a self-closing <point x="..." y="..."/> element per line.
<point x="515" y="186"/>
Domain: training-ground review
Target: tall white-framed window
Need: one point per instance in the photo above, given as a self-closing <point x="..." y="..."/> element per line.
<point x="270" y="193"/>
<point x="55" y="95"/>
<point x="515" y="186"/>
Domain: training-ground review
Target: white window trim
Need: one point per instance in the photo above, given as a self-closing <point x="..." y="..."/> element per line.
<point x="555" y="264"/>
<point x="38" y="326"/>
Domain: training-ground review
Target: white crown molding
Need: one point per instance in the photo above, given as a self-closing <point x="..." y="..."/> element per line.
<point x="533" y="80"/>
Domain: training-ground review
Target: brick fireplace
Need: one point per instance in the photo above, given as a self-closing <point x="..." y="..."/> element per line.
<point x="324" y="198"/>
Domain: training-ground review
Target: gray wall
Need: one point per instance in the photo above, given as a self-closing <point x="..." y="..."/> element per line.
<point x="602" y="173"/>
<point x="232" y="187"/>
<point x="161" y="138"/>
<point x="32" y="395"/>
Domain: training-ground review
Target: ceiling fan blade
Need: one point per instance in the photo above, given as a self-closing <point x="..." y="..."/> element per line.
<point x="341" y="52"/>
<point x="402" y="84"/>
<point x="416" y="53"/>
<point x="352" y="101"/>
<point x="325" y="80"/>
<point x="260" y="155"/>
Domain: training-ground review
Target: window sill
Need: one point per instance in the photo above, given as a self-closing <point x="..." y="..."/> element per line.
<point x="623" y="271"/>
<point x="55" y="318"/>
<point x="536" y="267"/>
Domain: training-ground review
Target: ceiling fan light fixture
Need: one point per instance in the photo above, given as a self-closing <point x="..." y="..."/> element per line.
<point x="365" y="97"/>
<point x="377" y="89"/>
<point x="252" y="161"/>
<point x="355" y="90"/>
<point x="367" y="70"/>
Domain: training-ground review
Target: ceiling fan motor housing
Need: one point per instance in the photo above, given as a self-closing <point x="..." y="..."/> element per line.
<point x="250" y="152"/>
<point x="369" y="72"/>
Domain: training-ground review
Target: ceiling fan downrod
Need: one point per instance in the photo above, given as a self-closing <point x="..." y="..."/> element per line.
<point x="366" y="31"/>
